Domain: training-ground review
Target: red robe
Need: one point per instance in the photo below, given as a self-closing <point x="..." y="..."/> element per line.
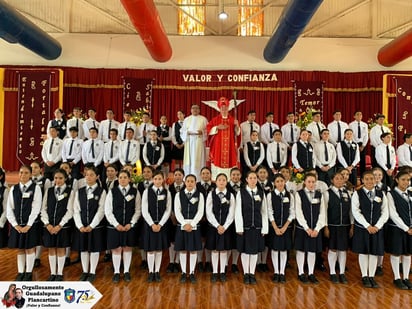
<point x="223" y="152"/>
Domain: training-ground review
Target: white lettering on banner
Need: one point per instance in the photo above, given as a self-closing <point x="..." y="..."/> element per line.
<point x="207" y="78"/>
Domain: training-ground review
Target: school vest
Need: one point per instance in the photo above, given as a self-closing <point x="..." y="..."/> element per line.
<point x="57" y="209"/>
<point x="163" y="133"/>
<point x="123" y="210"/>
<point x="253" y="154"/>
<point x="219" y="209"/>
<point x="403" y="208"/>
<point x="338" y="210"/>
<point x="281" y="209"/>
<point x="22" y="206"/>
<point x="156" y="208"/>
<point x="251" y="209"/>
<point x="177" y="133"/>
<point x="268" y="187"/>
<point x="304" y="156"/>
<point x="201" y="188"/>
<point x="2" y="189"/>
<point x="348" y="153"/>
<point x="152" y="154"/>
<point x="371" y="211"/>
<point x="88" y="208"/>
<point x="61" y="128"/>
<point x="173" y="192"/>
<point x="188" y="208"/>
<point x="310" y="210"/>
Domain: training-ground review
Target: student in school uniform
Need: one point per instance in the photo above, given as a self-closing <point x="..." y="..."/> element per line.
<point x="311" y="218"/>
<point x="361" y="137"/>
<point x="303" y="156"/>
<point x="220" y="210"/>
<point x="281" y="213"/>
<point x="51" y="153"/>
<point x="398" y="240"/>
<point x="251" y="221"/>
<point x="23" y="209"/>
<point x="111" y="152"/>
<point x="128" y="124"/>
<point x="59" y="123"/>
<point x="347" y="184"/>
<point x="144" y="130"/>
<point x="164" y="132"/>
<point x="276" y="153"/>
<point x="153" y="152"/>
<point x="253" y="153"/>
<point x="72" y="152"/>
<point x="404" y="151"/>
<point x="291" y="186"/>
<point x="107" y="125"/>
<point x="129" y="149"/>
<point x="337" y="128"/>
<point x="90" y="122"/>
<point x="111" y="178"/>
<point x="316" y="127"/>
<point x="375" y="136"/>
<point x="386" y="158"/>
<point x="93" y="149"/>
<point x="122" y="209"/>
<point x="189" y="209"/>
<point x="90" y="234"/>
<point x="348" y="155"/>
<point x="340" y="226"/>
<point x="370" y="211"/>
<point x="57" y="210"/>
<point x="156" y="208"/>
<point x="177" y="142"/>
<point x="77" y="122"/>
<point x="325" y="154"/>
<point x="4" y="193"/>
<point x="177" y="186"/>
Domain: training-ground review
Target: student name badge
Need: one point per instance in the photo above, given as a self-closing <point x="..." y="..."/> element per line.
<point x="90" y="196"/>
<point x="129" y="197"/>
<point x="193" y="200"/>
<point x="223" y="200"/>
<point x="60" y="197"/>
<point x="310" y="150"/>
<point x="257" y="198"/>
<point x="285" y="200"/>
<point x="256" y="148"/>
<point x="161" y="197"/>
<point x="315" y="201"/>
<point x="377" y="199"/>
<point x="26" y="194"/>
<point x="157" y="148"/>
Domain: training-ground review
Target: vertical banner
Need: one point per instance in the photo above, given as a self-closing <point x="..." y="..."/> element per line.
<point x="33" y="113"/>
<point x="403" y="119"/>
<point x="308" y="94"/>
<point x="137" y="93"/>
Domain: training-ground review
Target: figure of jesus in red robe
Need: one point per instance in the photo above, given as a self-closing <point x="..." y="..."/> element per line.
<point x="223" y="133"/>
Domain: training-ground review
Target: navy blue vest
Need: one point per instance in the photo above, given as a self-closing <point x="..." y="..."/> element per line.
<point x="57" y="209"/>
<point x="219" y="209"/>
<point x="156" y="208"/>
<point x="163" y="133"/>
<point x="403" y="208"/>
<point x="253" y="154"/>
<point x="177" y="133"/>
<point x="348" y="152"/>
<point x="88" y="208"/>
<point x="22" y="206"/>
<point x="251" y="209"/>
<point x="153" y="155"/>
<point x="173" y="192"/>
<point x="280" y="209"/>
<point x="123" y="210"/>
<point x="201" y="188"/>
<point x="370" y="211"/>
<point x="310" y="210"/>
<point x="2" y="189"/>
<point x="339" y="210"/>
<point x="61" y="128"/>
<point x="188" y="209"/>
<point x="304" y="156"/>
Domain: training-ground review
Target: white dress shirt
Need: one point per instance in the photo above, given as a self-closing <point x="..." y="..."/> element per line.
<point x="87" y="154"/>
<point x="322" y="219"/>
<point x="72" y="123"/>
<point x="245" y="130"/>
<point x="161" y="158"/>
<point x="295" y="161"/>
<point x="76" y="150"/>
<point x="342" y="160"/>
<point x="313" y="128"/>
<point x="209" y="210"/>
<point x="265" y="132"/>
<point x="404" y="155"/>
<point x="145" y="206"/>
<point x="271" y="154"/>
<point x="148" y="127"/>
<point x="333" y="131"/>
<point x="56" y="150"/>
<point x="126" y="125"/>
<point x="3" y="215"/>
<point x="357" y="215"/>
<point x="393" y="213"/>
<point x="134" y="151"/>
<point x="98" y="217"/>
<point x="69" y="212"/>
<point x="319" y="150"/>
<point x="286" y="133"/>
<point x="108" y="149"/>
<point x="104" y="133"/>
<point x="199" y="214"/>
<point x="89" y="123"/>
<point x="375" y="134"/>
<point x="381" y="158"/>
<point x="364" y="135"/>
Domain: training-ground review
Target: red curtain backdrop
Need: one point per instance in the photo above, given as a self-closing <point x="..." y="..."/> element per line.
<point x="179" y="89"/>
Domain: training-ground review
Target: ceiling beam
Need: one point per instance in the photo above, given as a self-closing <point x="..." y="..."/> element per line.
<point x="397" y="28"/>
<point x="36" y="19"/>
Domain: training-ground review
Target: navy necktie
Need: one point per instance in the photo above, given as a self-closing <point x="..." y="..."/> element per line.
<point x="270" y="131"/>
<point x="111" y="150"/>
<point x="278" y="153"/>
<point x="71" y="147"/>
<point x="292" y="138"/>
<point x="251" y="127"/>
<point x="388" y="157"/>
<point x="410" y="153"/>
<point x="359" y="130"/>
<point x="326" y="153"/>
<point x="319" y="130"/>
<point x="92" y="149"/>
<point x="127" y="152"/>
<point x="339" y="133"/>
<point x="51" y="146"/>
<point x="77" y="124"/>
<point x="110" y="127"/>
<point x="144" y="133"/>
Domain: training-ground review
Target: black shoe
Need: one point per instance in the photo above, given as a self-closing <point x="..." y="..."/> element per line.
<point x="313" y="279"/>
<point x="143" y="265"/>
<point x="334" y="278"/>
<point x="91" y="278"/>
<point x="260" y="267"/>
<point x="28" y="277"/>
<point x="183" y="278"/>
<point x="235" y="269"/>
<point x="213" y="278"/>
<point x="282" y="279"/>
<point x="157" y="277"/>
<point x="66" y="262"/>
<point x="51" y="278"/>
<point x="275" y="278"/>
<point x="107" y="257"/>
<point x="373" y="282"/>
<point x="399" y="284"/>
<point x="200" y="267"/>
<point x="302" y="278"/>
<point x="265" y="268"/>
<point x="84" y="277"/>
<point x="37" y="263"/>
<point x="408" y="283"/>
<point x="246" y="279"/>
<point x="252" y="279"/>
<point x="116" y="278"/>
<point x="342" y="279"/>
<point x="59" y="278"/>
<point x="170" y="268"/>
<point x="192" y="278"/>
<point x="223" y="277"/>
<point x="20" y="277"/>
<point x="320" y="267"/>
<point x="379" y="271"/>
<point x="127" y="277"/>
<point x="366" y="283"/>
<point x="150" y="278"/>
<point x="176" y="268"/>
<point x="208" y="267"/>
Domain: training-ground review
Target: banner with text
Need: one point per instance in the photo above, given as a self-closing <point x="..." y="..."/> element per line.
<point x="33" y="113"/>
<point x="137" y="93"/>
<point x="403" y="123"/>
<point x="308" y="94"/>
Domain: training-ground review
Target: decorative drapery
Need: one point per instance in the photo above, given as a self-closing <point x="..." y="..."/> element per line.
<point x="308" y="94"/>
<point x="137" y="93"/>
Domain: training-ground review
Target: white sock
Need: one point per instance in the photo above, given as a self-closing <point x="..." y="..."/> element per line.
<point x="127" y="260"/>
<point x="183" y="261"/>
<point x="395" y="266"/>
<point x="85" y="257"/>
<point x="252" y="263"/>
<point x="283" y="260"/>
<point x="192" y="264"/>
<point x="177" y="258"/>
<point x="245" y="262"/>
<point x="332" y="258"/>
<point x="265" y="256"/>
<point x="52" y="263"/>
<point x="158" y="261"/>
<point x="68" y="252"/>
<point x="39" y="250"/>
<point x="215" y="261"/>
<point x="235" y="256"/>
<point x="363" y="264"/>
<point x="373" y="261"/>
<point x="207" y="255"/>
<point x="200" y="256"/>
<point x="30" y="262"/>
<point x="21" y="263"/>
<point x="223" y="261"/>
<point x="150" y="261"/>
<point x="342" y="261"/>
<point x="116" y="258"/>
<point x="311" y="262"/>
<point x="406" y="266"/>
<point x="94" y="260"/>
<point x="380" y="260"/>
<point x="60" y="264"/>
<point x="275" y="261"/>
<point x="300" y="260"/>
<point x="172" y="253"/>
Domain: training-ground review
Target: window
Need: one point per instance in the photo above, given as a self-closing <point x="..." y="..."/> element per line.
<point x="250" y="17"/>
<point x="191" y="17"/>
